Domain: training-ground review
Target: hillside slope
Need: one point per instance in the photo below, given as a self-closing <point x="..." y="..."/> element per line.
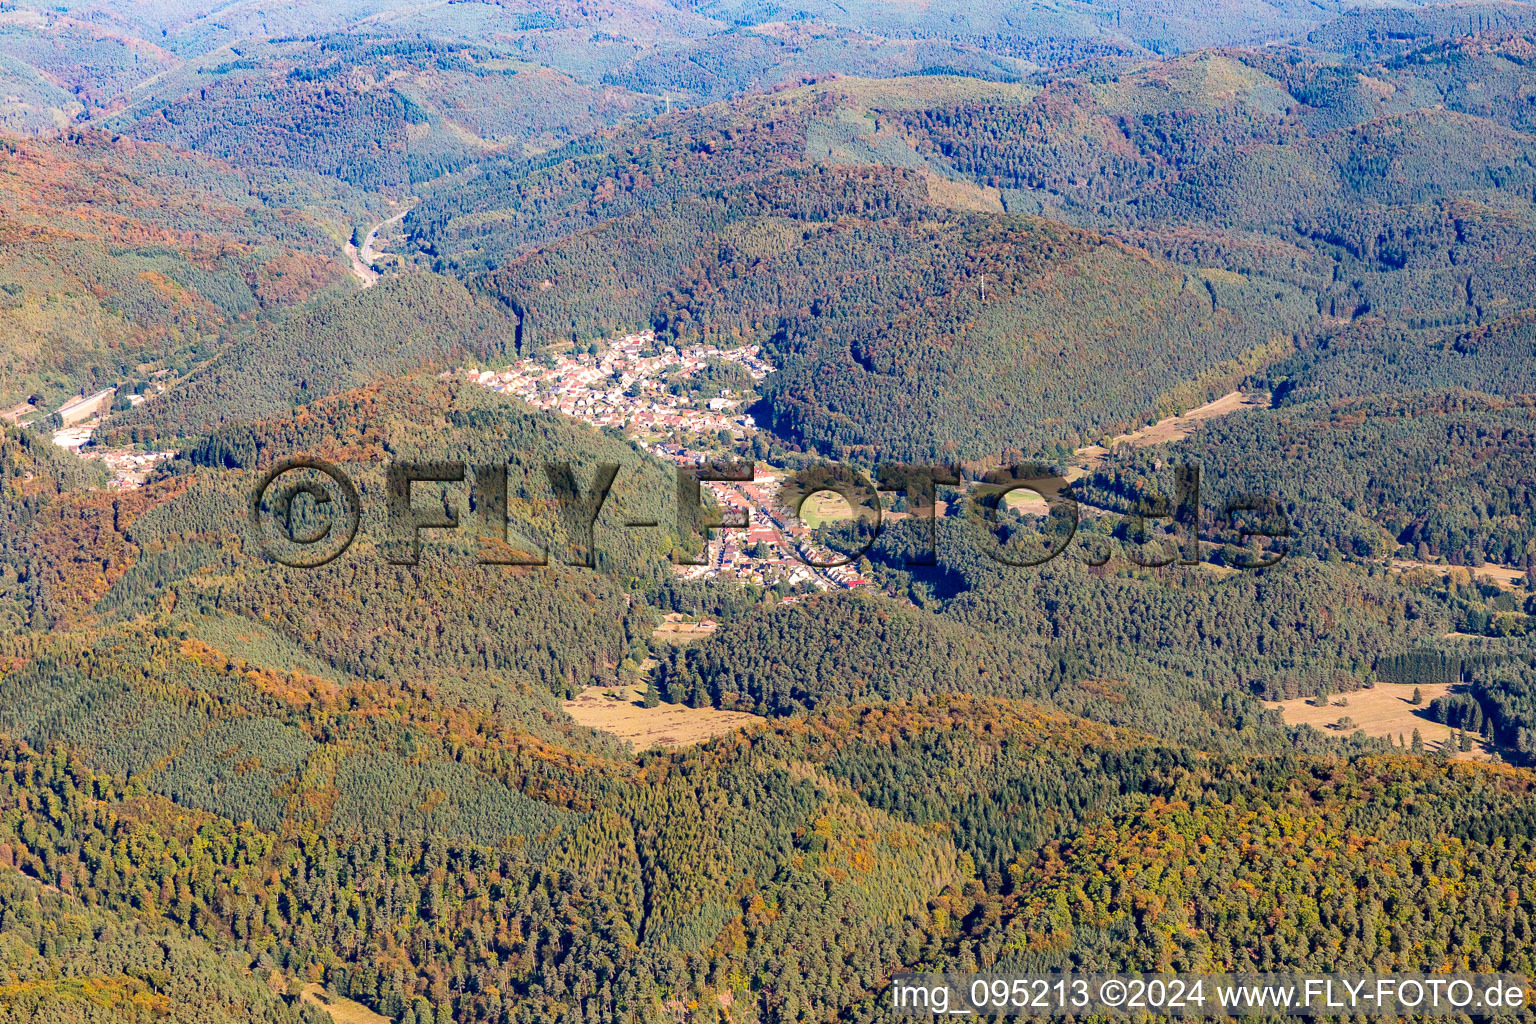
<point x="115" y="253"/>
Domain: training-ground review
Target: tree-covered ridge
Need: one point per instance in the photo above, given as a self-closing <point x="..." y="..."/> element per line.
<point x="1427" y="229"/>
<point x="1438" y="473"/>
<point x="698" y="50"/>
<point x="377" y="113"/>
<point x="1373" y="355"/>
<point x="1052" y="319"/>
<point x="93" y="66"/>
<point x="614" y="173"/>
<point x="1174" y="652"/>
<point x="284" y="748"/>
<point x="716" y="872"/>
<point x="75" y="556"/>
<point x="555" y="626"/>
<point x="1367" y="33"/>
<point x="115" y="252"/>
<point x="792" y="853"/>
<point x="754" y="57"/>
<point x="63" y="552"/>
<point x="33" y="102"/>
<point x="422" y="418"/>
<point x="1283" y="868"/>
<point x="1108" y="134"/>
<point x="69" y="962"/>
<point x="780" y="661"/>
<point x="1353" y="180"/>
<point x="404" y="324"/>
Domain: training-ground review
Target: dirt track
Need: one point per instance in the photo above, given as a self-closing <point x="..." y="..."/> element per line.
<point x="1171" y="428"/>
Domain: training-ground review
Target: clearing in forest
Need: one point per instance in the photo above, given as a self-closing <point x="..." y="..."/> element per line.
<point x="1385" y="710"/>
<point x="342" y="1011"/>
<point x="1168" y="429"/>
<point x="678" y="629"/>
<point x="617" y="710"/>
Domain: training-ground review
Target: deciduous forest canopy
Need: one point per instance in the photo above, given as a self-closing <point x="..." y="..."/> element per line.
<point x="1291" y="244"/>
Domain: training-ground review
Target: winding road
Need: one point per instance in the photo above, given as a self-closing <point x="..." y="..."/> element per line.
<point x="362" y="262"/>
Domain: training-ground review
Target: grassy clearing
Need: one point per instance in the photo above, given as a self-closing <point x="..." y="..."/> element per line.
<point x="678" y="629"/>
<point x="342" y="1011"/>
<point x="1500" y="576"/>
<point x="1385" y="710"/>
<point x="824" y="507"/>
<point x="617" y="710"/>
<point x="1172" y="428"/>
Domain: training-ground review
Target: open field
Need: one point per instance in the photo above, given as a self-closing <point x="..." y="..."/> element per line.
<point x="342" y="1011"/>
<point x="1499" y="575"/>
<point x="824" y="507"/>
<point x="1027" y="503"/>
<point x="666" y="725"/>
<point x="964" y="195"/>
<point x="1383" y="711"/>
<point x="678" y="629"/>
<point x="1170" y="428"/>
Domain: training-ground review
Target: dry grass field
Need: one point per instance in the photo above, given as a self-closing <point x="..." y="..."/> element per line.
<point x="666" y="725"/>
<point x="678" y="629"/>
<point x="1500" y="576"/>
<point x="964" y="195"/>
<point x="617" y="710"/>
<point x="1168" y="429"/>
<point x="1384" y="710"/>
<point x="1027" y="503"/>
<point x="342" y="1011"/>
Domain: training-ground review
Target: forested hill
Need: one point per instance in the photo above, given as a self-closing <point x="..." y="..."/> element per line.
<point x="115" y="252"/>
<point x="1196" y="644"/>
<point x="82" y="59"/>
<point x="185" y="539"/>
<point x="1374" y="33"/>
<point x="70" y="961"/>
<point x="379" y="114"/>
<point x="421" y="321"/>
<point x="883" y="311"/>
<point x="1370" y="476"/>
<point x="957" y="232"/>
<point x="1288" y="194"/>
<point x="815" y="857"/>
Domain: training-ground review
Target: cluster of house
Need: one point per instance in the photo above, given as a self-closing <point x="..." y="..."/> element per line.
<point x="774" y="547"/>
<point x="130" y="468"/>
<point x="80" y="417"/>
<point x="627" y="386"/>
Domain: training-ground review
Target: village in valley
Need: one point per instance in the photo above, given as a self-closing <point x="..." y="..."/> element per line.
<point x="661" y="397"/>
<point x="78" y="418"/>
<point x="639" y="387"/>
